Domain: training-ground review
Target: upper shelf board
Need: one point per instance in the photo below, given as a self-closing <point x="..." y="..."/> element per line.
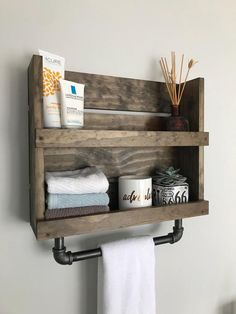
<point x="106" y="138"/>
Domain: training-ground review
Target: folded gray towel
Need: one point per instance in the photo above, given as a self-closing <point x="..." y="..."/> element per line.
<point x="75" y="211"/>
<point x="76" y="200"/>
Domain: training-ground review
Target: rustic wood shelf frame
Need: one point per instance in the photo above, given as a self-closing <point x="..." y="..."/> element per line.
<point x="117" y="144"/>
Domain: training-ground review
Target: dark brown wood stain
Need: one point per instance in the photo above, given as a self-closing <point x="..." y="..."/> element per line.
<point x="117" y="144"/>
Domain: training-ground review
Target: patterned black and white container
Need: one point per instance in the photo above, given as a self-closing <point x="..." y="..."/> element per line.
<point x="167" y="195"/>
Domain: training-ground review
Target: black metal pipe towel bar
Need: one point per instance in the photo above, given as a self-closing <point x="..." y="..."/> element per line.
<point x="67" y="258"/>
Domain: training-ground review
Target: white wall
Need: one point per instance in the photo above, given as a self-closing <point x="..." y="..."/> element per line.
<point x="122" y="38"/>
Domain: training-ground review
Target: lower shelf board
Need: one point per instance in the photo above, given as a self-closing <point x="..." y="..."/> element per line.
<point x="48" y="229"/>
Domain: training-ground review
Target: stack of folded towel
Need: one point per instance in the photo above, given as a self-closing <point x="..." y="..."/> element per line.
<point x="76" y="193"/>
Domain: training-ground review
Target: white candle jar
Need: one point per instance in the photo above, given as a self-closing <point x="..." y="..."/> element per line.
<point x="135" y="191"/>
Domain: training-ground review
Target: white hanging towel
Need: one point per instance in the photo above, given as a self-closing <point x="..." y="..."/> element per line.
<point x="126" y="277"/>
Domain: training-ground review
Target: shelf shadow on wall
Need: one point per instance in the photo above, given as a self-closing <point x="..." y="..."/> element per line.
<point x="228" y="308"/>
<point x="17" y="134"/>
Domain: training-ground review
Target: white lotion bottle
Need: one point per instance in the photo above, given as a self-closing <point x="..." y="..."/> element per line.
<point x="53" y="71"/>
<point x="72" y="104"/>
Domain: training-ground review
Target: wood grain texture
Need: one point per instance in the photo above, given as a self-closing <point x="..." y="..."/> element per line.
<point x="187" y="159"/>
<point x="118" y="93"/>
<point x="192" y="104"/>
<point x="119" y="219"/>
<point x="31" y="136"/>
<point x="35" y="91"/>
<point x="39" y="195"/>
<point x="35" y="121"/>
<point x="95" y="121"/>
<point x="201" y="173"/>
<point x="114" y="162"/>
<point x="191" y="160"/>
<point x="111" y="138"/>
<point x="201" y="149"/>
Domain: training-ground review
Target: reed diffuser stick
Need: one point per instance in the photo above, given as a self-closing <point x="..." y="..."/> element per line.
<point x="170" y="75"/>
<point x="180" y="75"/>
<point x="166" y="78"/>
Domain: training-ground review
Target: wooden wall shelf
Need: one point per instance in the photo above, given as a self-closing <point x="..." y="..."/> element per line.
<point x="108" y="138"/>
<point x="119" y="145"/>
<point x="118" y="219"/>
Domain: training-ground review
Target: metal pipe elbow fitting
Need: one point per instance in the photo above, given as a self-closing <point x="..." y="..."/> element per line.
<point x="62" y="257"/>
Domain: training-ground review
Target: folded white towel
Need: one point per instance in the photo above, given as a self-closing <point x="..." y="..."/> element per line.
<point x="82" y="181"/>
<point x="126" y="277"/>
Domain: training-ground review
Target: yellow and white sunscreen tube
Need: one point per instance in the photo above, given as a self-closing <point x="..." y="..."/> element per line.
<point x="72" y="104"/>
<point x="53" y="71"/>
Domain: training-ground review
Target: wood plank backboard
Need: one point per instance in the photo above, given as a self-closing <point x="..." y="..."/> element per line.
<point x="191" y="159"/>
<point x="118" y="93"/>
